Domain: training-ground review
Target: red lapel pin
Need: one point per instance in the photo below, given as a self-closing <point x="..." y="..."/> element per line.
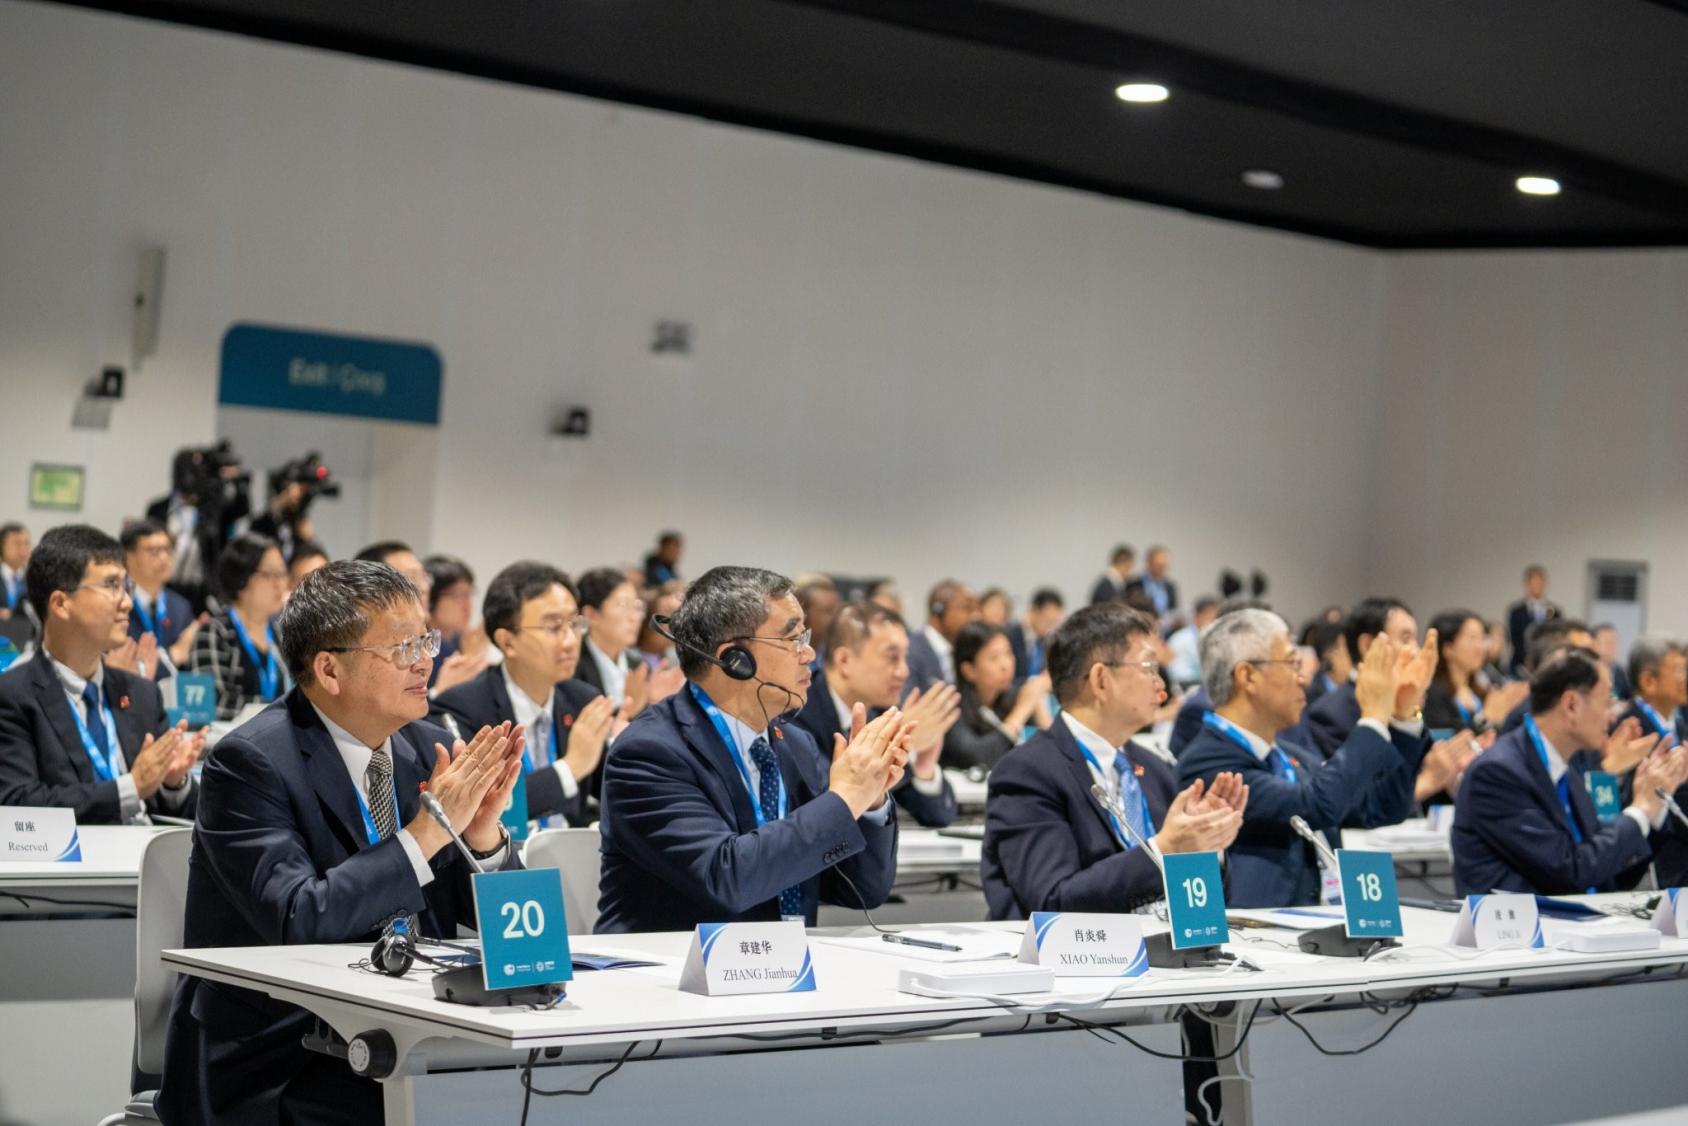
<point x="123" y="703"/>
<point x="1137" y="769"/>
<point x="778" y="734"/>
<point x="568" y="721"/>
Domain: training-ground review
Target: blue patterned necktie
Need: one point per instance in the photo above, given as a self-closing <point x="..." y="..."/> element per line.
<point x="1130" y="797"/>
<point x="541" y="744"/>
<point x="96" y="724"/>
<point x="1280" y="764"/>
<point x="768" y="793"/>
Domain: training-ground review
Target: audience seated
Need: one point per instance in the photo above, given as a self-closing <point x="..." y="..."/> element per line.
<point x="655" y="651"/>
<point x="994" y="713"/>
<point x="531" y="614"/>
<point x="451" y="604"/>
<point x="237" y="645"/>
<point x="14" y="558"/>
<point x="1029" y="637"/>
<point x="1332" y="719"/>
<point x="159" y="612"/>
<point x="867" y="664"/>
<point x="615" y="615"/>
<point x="663" y="564"/>
<point x="1330" y="646"/>
<point x="308" y="555"/>
<point x="715" y="809"/>
<point x="1049" y="845"/>
<point x="1248" y="669"/>
<point x="1524" y="821"/>
<point x="74" y="733"/>
<point x="818" y="595"/>
<point x="931" y="657"/>
<point x="1110" y="585"/>
<point x="995" y="607"/>
<point x="1606" y="644"/>
<point x="1162" y="592"/>
<point x="1185" y="644"/>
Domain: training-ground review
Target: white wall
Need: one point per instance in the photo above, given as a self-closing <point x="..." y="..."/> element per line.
<point x="1534" y="412"/>
<point x="899" y="368"/>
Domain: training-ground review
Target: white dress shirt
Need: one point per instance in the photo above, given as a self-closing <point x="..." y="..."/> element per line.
<point x="931" y="787"/>
<point x="744" y="736"/>
<point x="613" y="672"/>
<point x="1556" y="768"/>
<point x="945" y="651"/>
<point x="132" y="808"/>
<point x="356" y="757"/>
<point x="526" y="712"/>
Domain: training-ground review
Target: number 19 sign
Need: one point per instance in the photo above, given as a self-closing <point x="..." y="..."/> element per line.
<point x="524" y="933"/>
<point x="1195" y="900"/>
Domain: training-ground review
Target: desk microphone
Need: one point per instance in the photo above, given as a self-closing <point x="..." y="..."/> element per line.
<point x="1670" y="804"/>
<point x="1332" y="941"/>
<point x="437" y="812"/>
<point x="1117" y="808"/>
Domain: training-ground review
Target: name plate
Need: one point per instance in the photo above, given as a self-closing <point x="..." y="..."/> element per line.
<point x="1603" y="788"/>
<point x="1085" y="945"/>
<point x="195" y="699"/>
<point x="1371" y="907"/>
<point x="1195" y="900"/>
<point x="1488" y="921"/>
<point x="32" y="832"/>
<point x="731" y="958"/>
<point x="1671" y="916"/>
<point x="524" y="930"/>
<point x="514" y="817"/>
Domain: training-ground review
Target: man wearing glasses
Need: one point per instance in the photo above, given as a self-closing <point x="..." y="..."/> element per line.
<point x="716" y="810"/>
<point x="531" y="615"/>
<point x="310" y="830"/>
<point x="74" y="733"/>
<point x="1049" y="844"/>
<point x="1253" y="682"/>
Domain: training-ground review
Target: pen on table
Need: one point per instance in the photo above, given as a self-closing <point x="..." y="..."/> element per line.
<point x="923" y="943"/>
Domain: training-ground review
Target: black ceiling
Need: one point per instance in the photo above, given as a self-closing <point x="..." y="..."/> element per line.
<point x="1394" y="123"/>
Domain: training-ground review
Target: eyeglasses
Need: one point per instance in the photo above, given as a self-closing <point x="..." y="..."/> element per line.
<point x="797" y="643"/>
<point x="1294" y="663"/>
<point x="408" y="652"/>
<point x="625" y="604"/>
<point x="116" y="588"/>
<point x="1148" y="668"/>
<point x="576" y="625"/>
<point x="278" y="576"/>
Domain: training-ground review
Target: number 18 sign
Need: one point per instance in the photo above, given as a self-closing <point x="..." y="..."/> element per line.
<point x="1370" y="906"/>
<point x="1195" y="900"/>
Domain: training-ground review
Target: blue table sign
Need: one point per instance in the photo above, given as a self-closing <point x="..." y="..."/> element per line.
<point x="1603" y="788"/>
<point x="524" y="931"/>
<point x="515" y="816"/>
<point x="1195" y="900"/>
<point x="196" y="699"/>
<point x="1371" y="906"/>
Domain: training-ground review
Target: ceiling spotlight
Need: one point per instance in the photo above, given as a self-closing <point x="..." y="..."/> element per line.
<point x="1538" y="185"/>
<point x="1141" y="93"/>
<point x="1264" y="179"/>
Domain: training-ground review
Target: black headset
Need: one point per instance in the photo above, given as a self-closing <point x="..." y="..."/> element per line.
<point x="735" y="660"/>
<point x="396" y="952"/>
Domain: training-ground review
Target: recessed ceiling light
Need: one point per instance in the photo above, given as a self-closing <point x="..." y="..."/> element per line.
<point x="1538" y="185"/>
<point x="1141" y="93"/>
<point x="1264" y="179"/>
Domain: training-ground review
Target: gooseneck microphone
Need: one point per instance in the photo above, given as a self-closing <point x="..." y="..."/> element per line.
<point x="437" y="812"/>
<point x="1333" y="941"/>
<point x="1115" y="807"/>
<point x="1320" y="845"/>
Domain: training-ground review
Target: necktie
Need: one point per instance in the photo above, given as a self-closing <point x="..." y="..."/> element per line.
<point x="542" y="757"/>
<point x="1564" y="789"/>
<point x="1130" y="797"/>
<point x="97" y="727"/>
<point x="768" y="793"/>
<point x="378" y="785"/>
<point x="1279" y="762"/>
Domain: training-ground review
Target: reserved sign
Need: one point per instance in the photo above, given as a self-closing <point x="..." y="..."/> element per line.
<point x="39" y="833"/>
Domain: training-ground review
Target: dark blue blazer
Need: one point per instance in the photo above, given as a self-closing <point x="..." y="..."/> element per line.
<point x="1187" y="724"/>
<point x="925" y="667"/>
<point x="280" y="857"/>
<point x="1367" y="782"/>
<point x="42" y="760"/>
<point x="680" y="840"/>
<point x="819" y="718"/>
<point x="1048" y="844"/>
<point x="1331" y="719"/>
<point x="178" y="615"/>
<point x="485" y="702"/>
<point x="1670" y="844"/>
<point x="1510" y="832"/>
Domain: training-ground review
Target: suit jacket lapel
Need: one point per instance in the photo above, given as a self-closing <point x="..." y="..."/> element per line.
<point x="130" y="735"/>
<point x="409" y="773"/>
<point x="55" y="701"/>
<point x="327" y="770"/>
<point x="705" y="742"/>
<point x="500" y="695"/>
<point x="1067" y="744"/>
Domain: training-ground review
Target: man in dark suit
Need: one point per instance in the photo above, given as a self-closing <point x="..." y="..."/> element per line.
<point x="1110" y="585"/>
<point x="1331" y="720"/>
<point x="74" y="733"/>
<point x="714" y="809"/>
<point x="158" y="610"/>
<point x="14" y="558"/>
<point x="1531" y="610"/>
<point x="531" y="615"/>
<point x="950" y="605"/>
<point x="1250" y="669"/>
<point x="1049" y="845"/>
<point x="1523" y="820"/>
<point x="310" y="830"/>
<point x="1658" y="670"/>
<point x="1029" y="637"/>
<point x="867" y="664"/>
<point x="1154" y="584"/>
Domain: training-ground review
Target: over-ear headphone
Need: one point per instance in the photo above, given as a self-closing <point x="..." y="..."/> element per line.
<point x="396" y="951"/>
<point x="735" y="660"/>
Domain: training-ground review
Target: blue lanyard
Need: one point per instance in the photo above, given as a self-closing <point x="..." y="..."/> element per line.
<point x="154" y="626"/>
<point x="369" y="829"/>
<point x="13" y="586"/>
<point x="1232" y="732"/>
<point x="1119" y="831"/>
<point x="106" y="768"/>
<point x="1465" y="713"/>
<point x="1668" y="730"/>
<point x="726" y="733"/>
<point x="527" y="751"/>
<point x="1560" y="787"/>
<point x="269" y="673"/>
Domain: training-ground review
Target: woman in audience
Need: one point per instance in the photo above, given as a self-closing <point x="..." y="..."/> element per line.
<point x="451" y="606"/>
<point x="1459" y="696"/>
<point x="994" y="718"/>
<point x="655" y="650"/>
<point x="1494" y="666"/>
<point x="236" y="645"/>
<point x="995" y="607"/>
<point x="615" y="616"/>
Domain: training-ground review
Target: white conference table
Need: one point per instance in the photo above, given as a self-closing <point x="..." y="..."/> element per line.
<point x="974" y="1060"/>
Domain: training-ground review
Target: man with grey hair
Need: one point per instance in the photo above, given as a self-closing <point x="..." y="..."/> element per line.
<point x="1251" y="675"/>
<point x="310" y="830"/>
<point x="714" y="809"/>
<point x="1658" y="675"/>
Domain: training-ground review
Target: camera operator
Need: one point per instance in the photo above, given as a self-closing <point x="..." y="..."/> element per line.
<point x="292" y="489"/>
<point x="209" y="491"/>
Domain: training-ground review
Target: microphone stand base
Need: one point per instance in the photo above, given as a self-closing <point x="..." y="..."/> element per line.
<point x="464" y="986"/>
<point x="1333" y="942"/>
<point x="1162" y="956"/>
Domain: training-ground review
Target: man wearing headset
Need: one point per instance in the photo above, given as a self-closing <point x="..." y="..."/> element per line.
<point x="714" y="809"/>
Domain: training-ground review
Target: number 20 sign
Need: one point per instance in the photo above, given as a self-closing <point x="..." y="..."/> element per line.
<point x="524" y="932"/>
